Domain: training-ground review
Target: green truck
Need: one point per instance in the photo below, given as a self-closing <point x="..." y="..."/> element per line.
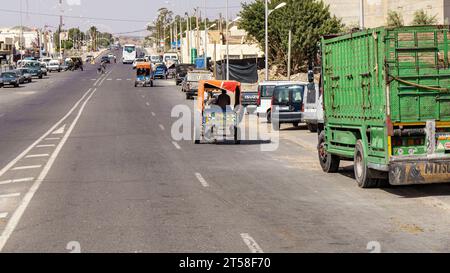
<point x="386" y="102"/>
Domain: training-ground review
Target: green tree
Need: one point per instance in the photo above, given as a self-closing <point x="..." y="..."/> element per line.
<point x="308" y="19"/>
<point x="422" y="18"/>
<point x="394" y="19"/>
<point x="93" y="33"/>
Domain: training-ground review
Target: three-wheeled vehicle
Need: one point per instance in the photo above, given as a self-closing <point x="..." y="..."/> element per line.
<point x="218" y="111"/>
<point x="144" y="75"/>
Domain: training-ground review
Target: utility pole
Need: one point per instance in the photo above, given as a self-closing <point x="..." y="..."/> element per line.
<point x="197" y="38"/>
<point x="289" y="55"/>
<point x="361" y="14"/>
<point x="181" y="40"/>
<point x="188" y="37"/>
<point x="205" y="41"/>
<point x="228" y="45"/>
<point x="266" y="30"/>
<point x="60" y="28"/>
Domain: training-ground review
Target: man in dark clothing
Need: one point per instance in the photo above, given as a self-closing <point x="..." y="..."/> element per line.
<point x="223" y="100"/>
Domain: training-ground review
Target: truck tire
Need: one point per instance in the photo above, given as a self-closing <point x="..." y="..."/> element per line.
<point x="269" y="116"/>
<point x="312" y="127"/>
<point x="362" y="172"/>
<point x="328" y="162"/>
<point x="295" y="124"/>
<point x="237" y="135"/>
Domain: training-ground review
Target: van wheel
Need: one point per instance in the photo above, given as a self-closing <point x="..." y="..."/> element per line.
<point x="295" y="124"/>
<point x="362" y="172"/>
<point x="312" y="127"/>
<point x="236" y="135"/>
<point x="269" y="116"/>
<point x="328" y="162"/>
<point x="188" y="97"/>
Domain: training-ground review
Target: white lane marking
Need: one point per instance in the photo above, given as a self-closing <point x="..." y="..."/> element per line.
<point x="162" y="127"/>
<point x="53" y="138"/>
<point x="176" y="145"/>
<point x="99" y="79"/>
<point x="201" y="180"/>
<point x="9" y="195"/>
<point x="60" y="130"/>
<point x="153" y="114"/>
<point x="27" y="179"/>
<point x="109" y="79"/>
<point x="251" y="243"/>
<point x="3" y="215"/>
<point x="2" y="115"/>
<point x="104" y="78"/>
<point x="26" y="167"/>
<point x="142" y="96"/>
<point x="128" y="79"/>
<point x="45" y="145"/>
<point x="148" y="104"/>
<point x="93" y="79"/>
<point x="15" y="218"/>
<point x="118" y="79"/>
<point x="37" y="155"/>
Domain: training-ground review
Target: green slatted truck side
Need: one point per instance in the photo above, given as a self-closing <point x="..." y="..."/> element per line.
<point x="386" y="102"/>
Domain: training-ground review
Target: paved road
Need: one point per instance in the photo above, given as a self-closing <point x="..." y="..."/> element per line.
<point x="91" y="159"/>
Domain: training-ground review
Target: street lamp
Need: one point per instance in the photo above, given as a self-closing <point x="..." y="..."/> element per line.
<point x="268" y="12"/>
<point x="211" y="26"/>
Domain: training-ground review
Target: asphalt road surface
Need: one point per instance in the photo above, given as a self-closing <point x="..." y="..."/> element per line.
<point x="88" y="162"/>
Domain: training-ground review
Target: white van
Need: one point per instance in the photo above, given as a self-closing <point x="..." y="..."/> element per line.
<point x="311" y="105"/>
<point x="265" y="92"/>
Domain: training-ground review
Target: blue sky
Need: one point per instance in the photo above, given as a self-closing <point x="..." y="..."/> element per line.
<point x="139" y="10"/>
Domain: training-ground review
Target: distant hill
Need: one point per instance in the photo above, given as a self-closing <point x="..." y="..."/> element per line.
<point x="131" y="40"/>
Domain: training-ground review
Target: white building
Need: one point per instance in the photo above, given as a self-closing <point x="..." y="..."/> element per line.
<point x="240" y="46"/>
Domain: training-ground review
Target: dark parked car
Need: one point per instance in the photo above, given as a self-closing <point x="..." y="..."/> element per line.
<point x="287" y="102"/>
<point x="10" y="78"/>
<point x="35" y="69"/>
<point x="181" y="72"/>
<point x="25" y="74"/>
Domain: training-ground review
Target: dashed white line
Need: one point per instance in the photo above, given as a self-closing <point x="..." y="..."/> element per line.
<point x="37" y="155"/>
<point x="26" y="167"/>
<point x="153" y="114"/>
<point x="251" y="243"/>
<point x="128" y="79"/>
<point x="27" y="179"/>
<point x="118" y="79"/>
<point x="148" y="104"/>
<point x="201" y="180"/>
<point x="176" y="145"/>
<point x="53" y="138"/>
<point x="15" y="218"/>
<point x="10" y="195"/>
<point x="162" y="127"/>
<point x="45" y="145"/>
<point x="109" y="79"/>
<point x="3" y="215"/>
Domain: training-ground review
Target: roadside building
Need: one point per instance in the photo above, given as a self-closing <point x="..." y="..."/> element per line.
<point x="376" y="11"/>
<point x="241" y="46"/>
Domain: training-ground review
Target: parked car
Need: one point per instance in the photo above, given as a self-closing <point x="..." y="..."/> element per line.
<point x="25" y="74"/>
<point x="181" y="72"/>
<point x="54" y="65"/>
<point x="311" y="106"/>
<point x="10" y="78"/>
<point x="34" y="68"/>
<point x="1" y="82"/>
<point x="190" y="86"/>
<point x="265" y="92"/>
<point x="161" y="72"/>
<point x="287" y="104"/>
<point x="44" y="68"/>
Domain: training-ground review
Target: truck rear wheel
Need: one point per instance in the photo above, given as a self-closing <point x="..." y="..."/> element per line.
<point x="328" y="162"/>
<point x="362" y="172"/>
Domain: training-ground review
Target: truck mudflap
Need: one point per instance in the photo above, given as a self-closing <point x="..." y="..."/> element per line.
<point x="419" y="172"/>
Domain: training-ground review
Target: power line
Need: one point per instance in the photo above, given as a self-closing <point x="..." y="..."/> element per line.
<point x="73" y="17"/>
